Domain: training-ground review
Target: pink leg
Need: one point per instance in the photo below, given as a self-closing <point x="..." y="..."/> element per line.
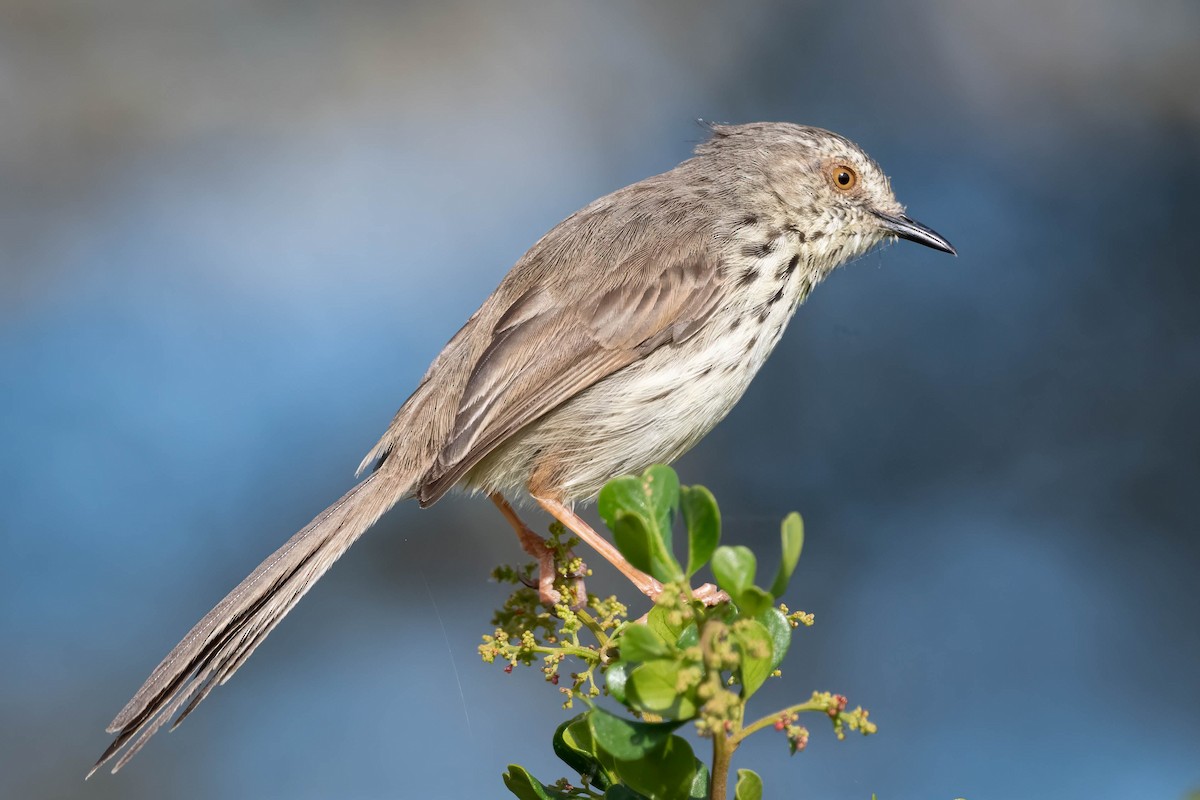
<point x="708" y="594"/>
<point x="646" y="584"/>
<point x="536" y="547"/>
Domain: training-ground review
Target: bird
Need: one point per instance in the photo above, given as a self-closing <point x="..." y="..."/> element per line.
<point x="617" y="341"/>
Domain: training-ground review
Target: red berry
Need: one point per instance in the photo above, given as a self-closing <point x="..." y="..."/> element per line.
<point x="508" y="668"/>
<point x="554" y="679"/>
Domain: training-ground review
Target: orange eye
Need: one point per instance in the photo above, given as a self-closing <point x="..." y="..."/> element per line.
<point x="844" y="177"/>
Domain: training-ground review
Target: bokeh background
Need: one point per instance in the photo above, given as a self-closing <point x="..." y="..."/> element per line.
<point x="233" y="235"/>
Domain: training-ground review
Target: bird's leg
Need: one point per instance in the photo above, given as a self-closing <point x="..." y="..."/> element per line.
<point x="708" y="594"/>
<point x="536" y="547"/>
<point x="646" y="584"/>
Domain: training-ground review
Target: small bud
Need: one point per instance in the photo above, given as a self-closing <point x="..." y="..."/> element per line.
<point x="797" y="738"/>
<point x="508" y="668"/>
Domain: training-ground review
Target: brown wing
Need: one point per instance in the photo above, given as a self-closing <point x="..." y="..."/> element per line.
<point x="545" y="351"/>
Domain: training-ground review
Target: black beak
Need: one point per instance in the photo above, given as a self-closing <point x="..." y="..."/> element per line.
<point x="914" y="231"/>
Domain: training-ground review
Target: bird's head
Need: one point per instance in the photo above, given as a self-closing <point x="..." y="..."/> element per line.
<point x="835" y="197"/>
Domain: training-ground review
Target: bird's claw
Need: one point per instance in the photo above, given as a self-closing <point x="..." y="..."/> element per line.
<point x="548" y="572"/>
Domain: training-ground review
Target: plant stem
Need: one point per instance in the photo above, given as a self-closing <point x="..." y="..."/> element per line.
<point x="723" y="747"/>
<point x="759" y="724"/>
<point x="590" y="623"/>
<point x="583" y="653"/>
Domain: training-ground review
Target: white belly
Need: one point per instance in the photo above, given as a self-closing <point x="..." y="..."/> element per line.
<point x="654" y="410"/>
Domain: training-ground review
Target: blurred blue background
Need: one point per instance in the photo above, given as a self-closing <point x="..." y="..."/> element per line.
<point x="233" y="235"/>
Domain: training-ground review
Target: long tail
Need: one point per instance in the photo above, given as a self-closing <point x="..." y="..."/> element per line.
<point x="222" y="641"/>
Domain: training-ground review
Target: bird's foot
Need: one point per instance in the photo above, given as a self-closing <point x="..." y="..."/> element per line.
<point x="548" y="575"/>
<point x="547" y="561"/>
<point x="710" y="595"/>
<point x="578" y="589"/>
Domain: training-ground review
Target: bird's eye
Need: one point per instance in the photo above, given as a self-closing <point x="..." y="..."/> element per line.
<point x="844" y="177"/>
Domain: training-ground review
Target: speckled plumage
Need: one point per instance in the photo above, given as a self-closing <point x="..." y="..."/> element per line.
<point x="618" y="341"/>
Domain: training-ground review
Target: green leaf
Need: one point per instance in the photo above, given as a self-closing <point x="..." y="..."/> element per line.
<point x="654" y="690"/>
<point x="523" y="785"/>
<point x="703" y="520"/>
<point x="699" y="790"/>
<point x="689" y="638"/>
<point x="754" y="601"/>
<point x="619" y="494"/>
<point x="652" y="499"/>
<point x="639" y="643"/>
<point x="632" y="536"/>
<point x="659" y="622"/>
<point x="734" y="569"/>
<point x="660" y="489"/>
<point x="620" y="792"/>
<point x="654" y="686"/>
<point x="754" y="643"/>
<point x="666" y="776"/>
<point x="749" y="785"/>
<point x="660" y="485"/>
<point x="614" y="680"/>
<point x="627" y="740"/>
<point x="780" y="631"/>
<point x="573" y="744"/>
<point x="791" y="537"/>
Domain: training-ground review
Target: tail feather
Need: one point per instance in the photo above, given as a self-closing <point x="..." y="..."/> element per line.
<point x="221" y="642"/>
